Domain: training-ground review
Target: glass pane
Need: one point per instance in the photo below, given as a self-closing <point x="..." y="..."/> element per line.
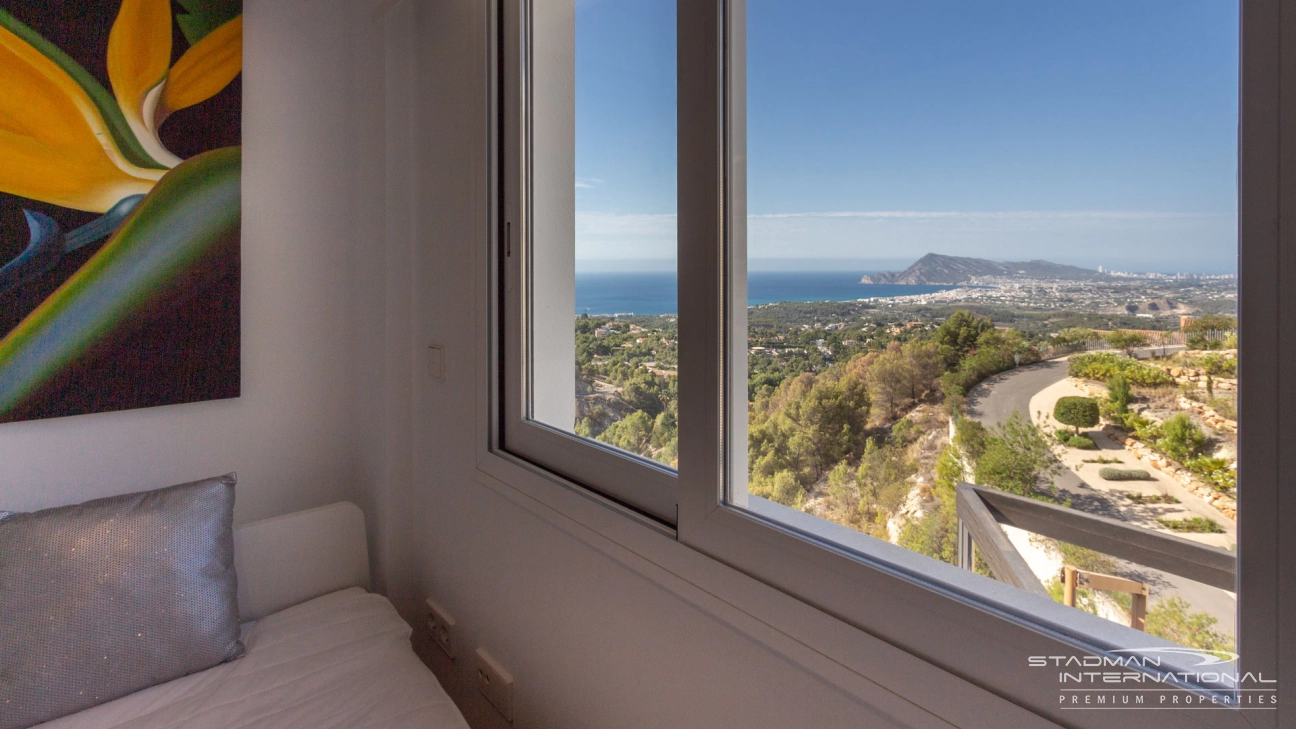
<point x="620" y="253"/>
<point x="996" y="243"/>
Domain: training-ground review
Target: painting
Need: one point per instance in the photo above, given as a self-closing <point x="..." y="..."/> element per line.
<point x="120" y="167"/>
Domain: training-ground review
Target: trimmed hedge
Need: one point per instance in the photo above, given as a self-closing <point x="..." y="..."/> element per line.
<point x="1078" y="412"/>
<point x="1103" y="366"/>
<point x="1124" y="474"/>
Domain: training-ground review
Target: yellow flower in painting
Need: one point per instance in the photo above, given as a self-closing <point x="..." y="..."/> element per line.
<point x="65" y="141"/>
<point x="55" y="144"/>
<point x="139" y="56"/>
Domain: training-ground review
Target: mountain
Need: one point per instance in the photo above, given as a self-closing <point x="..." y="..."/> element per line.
<point x="934" y="268"/>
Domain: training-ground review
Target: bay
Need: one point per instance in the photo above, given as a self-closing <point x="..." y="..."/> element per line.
<point x="654" y="292"/>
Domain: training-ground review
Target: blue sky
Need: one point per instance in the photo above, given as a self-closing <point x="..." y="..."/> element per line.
<point x="1094" y="133"/>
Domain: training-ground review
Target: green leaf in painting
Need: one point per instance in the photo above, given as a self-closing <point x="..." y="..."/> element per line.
<point x="204" y="16"/>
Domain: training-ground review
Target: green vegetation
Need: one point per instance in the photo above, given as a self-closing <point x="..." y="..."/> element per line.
<point x="1101" y="459"/>
<point x="1126" y="341"/>
<point x="1151" y="498"/>
<point x="1181" y="438"/>
<point x="1077" y="412"/>
<point x="995" y="351"/>
<point x="1082" y="441"/>
<point x="1171" y="619"/>
<point x="1015" y="456"/>
<point x="1201" y="329"/>
<point x="1215" y="471"/>
<point x="1124" y="474"/>
<point x="1217" y="365"/>
<point x="1196" y="524"/>
<point x="1075" y="335"/>
<point x="1103" y="366"/>
<point x="936" y="534"/>
<point x="1118" y="394"/>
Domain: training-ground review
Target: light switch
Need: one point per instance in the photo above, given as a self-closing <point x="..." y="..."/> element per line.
<point x="436" y="362"/>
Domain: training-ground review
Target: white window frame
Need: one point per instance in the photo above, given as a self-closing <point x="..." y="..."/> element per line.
<point x="538" y="266"/>
<point x="947" y="617"/>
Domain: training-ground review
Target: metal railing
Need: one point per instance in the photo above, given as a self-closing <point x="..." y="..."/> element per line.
<point x="981" y="511"/>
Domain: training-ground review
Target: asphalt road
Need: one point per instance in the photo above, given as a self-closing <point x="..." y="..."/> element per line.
<point x="994" y="400"/>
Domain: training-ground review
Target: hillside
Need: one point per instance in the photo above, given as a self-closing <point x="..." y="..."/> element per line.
<point x="934" y="268"/>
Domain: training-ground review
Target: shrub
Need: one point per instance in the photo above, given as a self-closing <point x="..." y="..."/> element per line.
<point x="1118" y="393"/>
<point x="1197" y="524"/>
<point x="1151" y="498"/>
<point x="1181" y="438"/>
<point x="1101" y="459"/>
<point x="1103" y="366"/>
<point x="1215" y="471"/>
<point x="1124" y="474"/>
<point x="1170" y="619"/>
<point x="1078" y="412"/>
<point x="1083" y="442"/>
<point x="1218" y="365"/>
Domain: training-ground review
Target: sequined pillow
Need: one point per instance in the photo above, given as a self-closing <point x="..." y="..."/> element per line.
<point x="108" y="597"/>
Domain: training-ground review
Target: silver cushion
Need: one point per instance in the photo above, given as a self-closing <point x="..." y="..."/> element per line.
<point x="108" y="597"/>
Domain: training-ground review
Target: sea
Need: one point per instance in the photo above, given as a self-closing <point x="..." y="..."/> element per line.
<point x="654" y="292"/>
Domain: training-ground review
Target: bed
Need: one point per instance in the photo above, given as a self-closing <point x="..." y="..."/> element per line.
<point x="321" y="651"/>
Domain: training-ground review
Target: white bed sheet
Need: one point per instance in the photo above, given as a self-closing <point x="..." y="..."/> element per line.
<point x="339" y="661"/>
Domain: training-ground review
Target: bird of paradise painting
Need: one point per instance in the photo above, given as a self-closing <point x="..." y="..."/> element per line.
<point x="119" y="204"/>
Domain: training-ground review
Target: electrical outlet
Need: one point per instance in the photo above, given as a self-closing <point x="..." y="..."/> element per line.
<point x="441" y="626"/>
<point x="496" y="684"/>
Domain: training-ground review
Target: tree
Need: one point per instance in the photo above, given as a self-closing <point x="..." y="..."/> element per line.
<point x="883" y="476"/>
<point x="958" y="335"/>
<point x="1126" y="341"/>
<point x="890" y="385"/>
<point x="1211" y="323"/>
<point x="1015" y="458"/>
<point x="787" y="490"/>
<point x="1078" y="412"/>
<point x="633" y="434"/>
<point x="1075" y="335"/>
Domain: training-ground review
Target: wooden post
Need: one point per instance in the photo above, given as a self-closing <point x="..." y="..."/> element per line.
<point x="1069" y="578"/>
<point x="1138" y="610"/>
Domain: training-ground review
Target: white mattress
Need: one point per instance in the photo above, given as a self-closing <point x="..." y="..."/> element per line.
<point x="342" y="660"/>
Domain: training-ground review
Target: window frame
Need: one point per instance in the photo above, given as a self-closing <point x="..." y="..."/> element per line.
<point x="634" y="482"/>
<point x="942" y="616"/>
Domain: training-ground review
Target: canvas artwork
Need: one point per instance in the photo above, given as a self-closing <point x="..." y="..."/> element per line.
<point x="119" y="204"/>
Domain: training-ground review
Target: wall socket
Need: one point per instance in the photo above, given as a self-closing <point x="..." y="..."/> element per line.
<point x="495" y="683"/>
<point x="441" y="625"/>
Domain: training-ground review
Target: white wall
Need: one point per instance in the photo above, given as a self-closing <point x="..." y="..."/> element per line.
<point x="291" y="436"/>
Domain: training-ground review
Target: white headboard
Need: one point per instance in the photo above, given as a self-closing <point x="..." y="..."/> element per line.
<point x="286" y="560"/>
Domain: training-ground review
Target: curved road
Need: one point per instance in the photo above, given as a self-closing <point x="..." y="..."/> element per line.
<point x="992" y="401"/>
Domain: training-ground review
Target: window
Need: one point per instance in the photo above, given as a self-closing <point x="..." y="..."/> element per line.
<point x="591" y="159"/>
<point x="819" y="447"/>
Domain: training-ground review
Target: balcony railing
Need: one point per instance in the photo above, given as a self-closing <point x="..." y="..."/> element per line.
<point x="981" y="511"/>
